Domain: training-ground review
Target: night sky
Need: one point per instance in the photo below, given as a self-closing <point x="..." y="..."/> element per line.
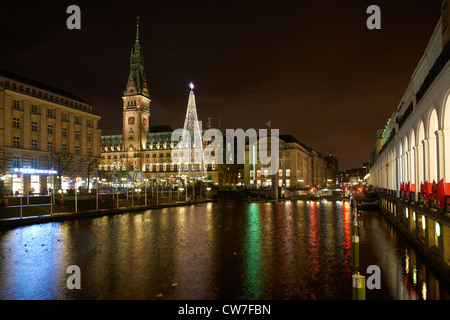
<point x="310" y="67"/>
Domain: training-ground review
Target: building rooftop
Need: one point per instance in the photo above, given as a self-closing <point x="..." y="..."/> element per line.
<point x="43" y="86"/>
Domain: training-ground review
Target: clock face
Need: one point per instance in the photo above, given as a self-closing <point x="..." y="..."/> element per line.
<point x="131" y="120"/>
<point x="145" y="121"/>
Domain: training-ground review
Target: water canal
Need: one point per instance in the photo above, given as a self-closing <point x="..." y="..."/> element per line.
<point x="224" y="250"/>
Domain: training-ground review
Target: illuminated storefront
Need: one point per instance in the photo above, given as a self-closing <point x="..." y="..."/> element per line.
<point x="29" y="181"/>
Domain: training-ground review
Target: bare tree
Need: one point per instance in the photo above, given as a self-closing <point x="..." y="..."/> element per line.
<point x="88" y="167"/>
<point x="63" y="163"/>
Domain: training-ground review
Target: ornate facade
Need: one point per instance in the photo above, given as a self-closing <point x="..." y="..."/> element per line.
<point x="143" y="147"/>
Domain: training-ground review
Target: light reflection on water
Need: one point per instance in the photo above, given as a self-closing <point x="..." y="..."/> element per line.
<point x="274" y="250"/>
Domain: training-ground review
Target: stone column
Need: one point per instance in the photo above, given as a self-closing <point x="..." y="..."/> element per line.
<point x="426" y="160"/>
<point x="443" y="138"/>
<point x="416" y="172"/>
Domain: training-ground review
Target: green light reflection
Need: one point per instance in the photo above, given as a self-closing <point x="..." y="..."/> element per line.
<point x="253" y="258"/>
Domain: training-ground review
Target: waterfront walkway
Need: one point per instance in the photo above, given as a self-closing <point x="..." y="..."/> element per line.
<point x="61" y="216"/>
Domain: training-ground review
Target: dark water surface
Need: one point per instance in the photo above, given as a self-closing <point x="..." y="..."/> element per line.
<point x="231" y="250"/>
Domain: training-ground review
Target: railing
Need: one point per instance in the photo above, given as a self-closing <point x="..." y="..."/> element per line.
<point x="25" y="206"/>
<point x="438" y="65"/>
<point x="401" y="120"/>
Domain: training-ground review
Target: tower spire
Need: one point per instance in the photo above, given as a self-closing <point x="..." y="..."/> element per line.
<point x="137" y="82"/>
<point x="137" y="30"/>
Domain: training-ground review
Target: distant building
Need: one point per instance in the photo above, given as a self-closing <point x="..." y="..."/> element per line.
<point x="354" y="176"/>
<point x="299" y="166"/>
<point x="144" y="151"/>
<point x="40" y="128"/>
<point x="332" y="169"/>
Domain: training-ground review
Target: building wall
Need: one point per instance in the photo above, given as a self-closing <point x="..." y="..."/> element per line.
<point x="420" y="144"/>
<point x="155" y="161"/>
<point x="33" y="129"/>
<point x="298" y="166"/>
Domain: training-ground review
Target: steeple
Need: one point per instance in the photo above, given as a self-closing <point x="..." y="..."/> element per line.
<point x="137" y="30"/>
<point x="136" y="104"/>
<point x="137" y="82"/>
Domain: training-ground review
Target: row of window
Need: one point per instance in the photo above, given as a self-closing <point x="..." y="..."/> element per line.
<point x="286" y="183"/>
<point x="34" y="163"/>
<point x="154" y="155"/>
<point x="46" y="95"/>
<point x="266" y="173"/>
<point x="50" y="129"/>
<point x="135" y="155"/>
<point x="160" y="167"/>
<point x="52" y="114"/>
<point x="34" y="146"/>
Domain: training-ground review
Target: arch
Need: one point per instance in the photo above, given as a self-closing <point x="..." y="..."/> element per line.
<point x="446" y="136"/>
<point x="445" y="111"/>
<point x="412" y="139"/>
<point x="420" y="154"/>
<point x="406" y="159"/>
<point x="433" y="126"/>
<point x="412" y="161"/>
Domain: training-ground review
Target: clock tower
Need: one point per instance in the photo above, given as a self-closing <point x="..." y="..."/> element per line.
<point x="136" y="105"/>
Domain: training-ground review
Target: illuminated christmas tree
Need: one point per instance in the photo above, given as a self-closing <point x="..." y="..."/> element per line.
<point x="192" y="165"/>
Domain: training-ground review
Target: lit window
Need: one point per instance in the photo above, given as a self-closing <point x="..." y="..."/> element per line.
<point x="33" y="144"/>
<point x="280" y="182"/>
<point x="16" y="123"/>
<point x="16" y="142"/>
<point x="288" y="172"/>
<point x="16" y="161"/>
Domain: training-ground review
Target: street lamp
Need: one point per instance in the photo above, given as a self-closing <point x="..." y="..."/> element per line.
<point x="180" y="189"/>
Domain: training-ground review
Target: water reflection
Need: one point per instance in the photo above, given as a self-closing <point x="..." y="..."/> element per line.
<point x="405" y="273"/>
<point x="275" y="250"/>
<point x="253" y="276"/>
